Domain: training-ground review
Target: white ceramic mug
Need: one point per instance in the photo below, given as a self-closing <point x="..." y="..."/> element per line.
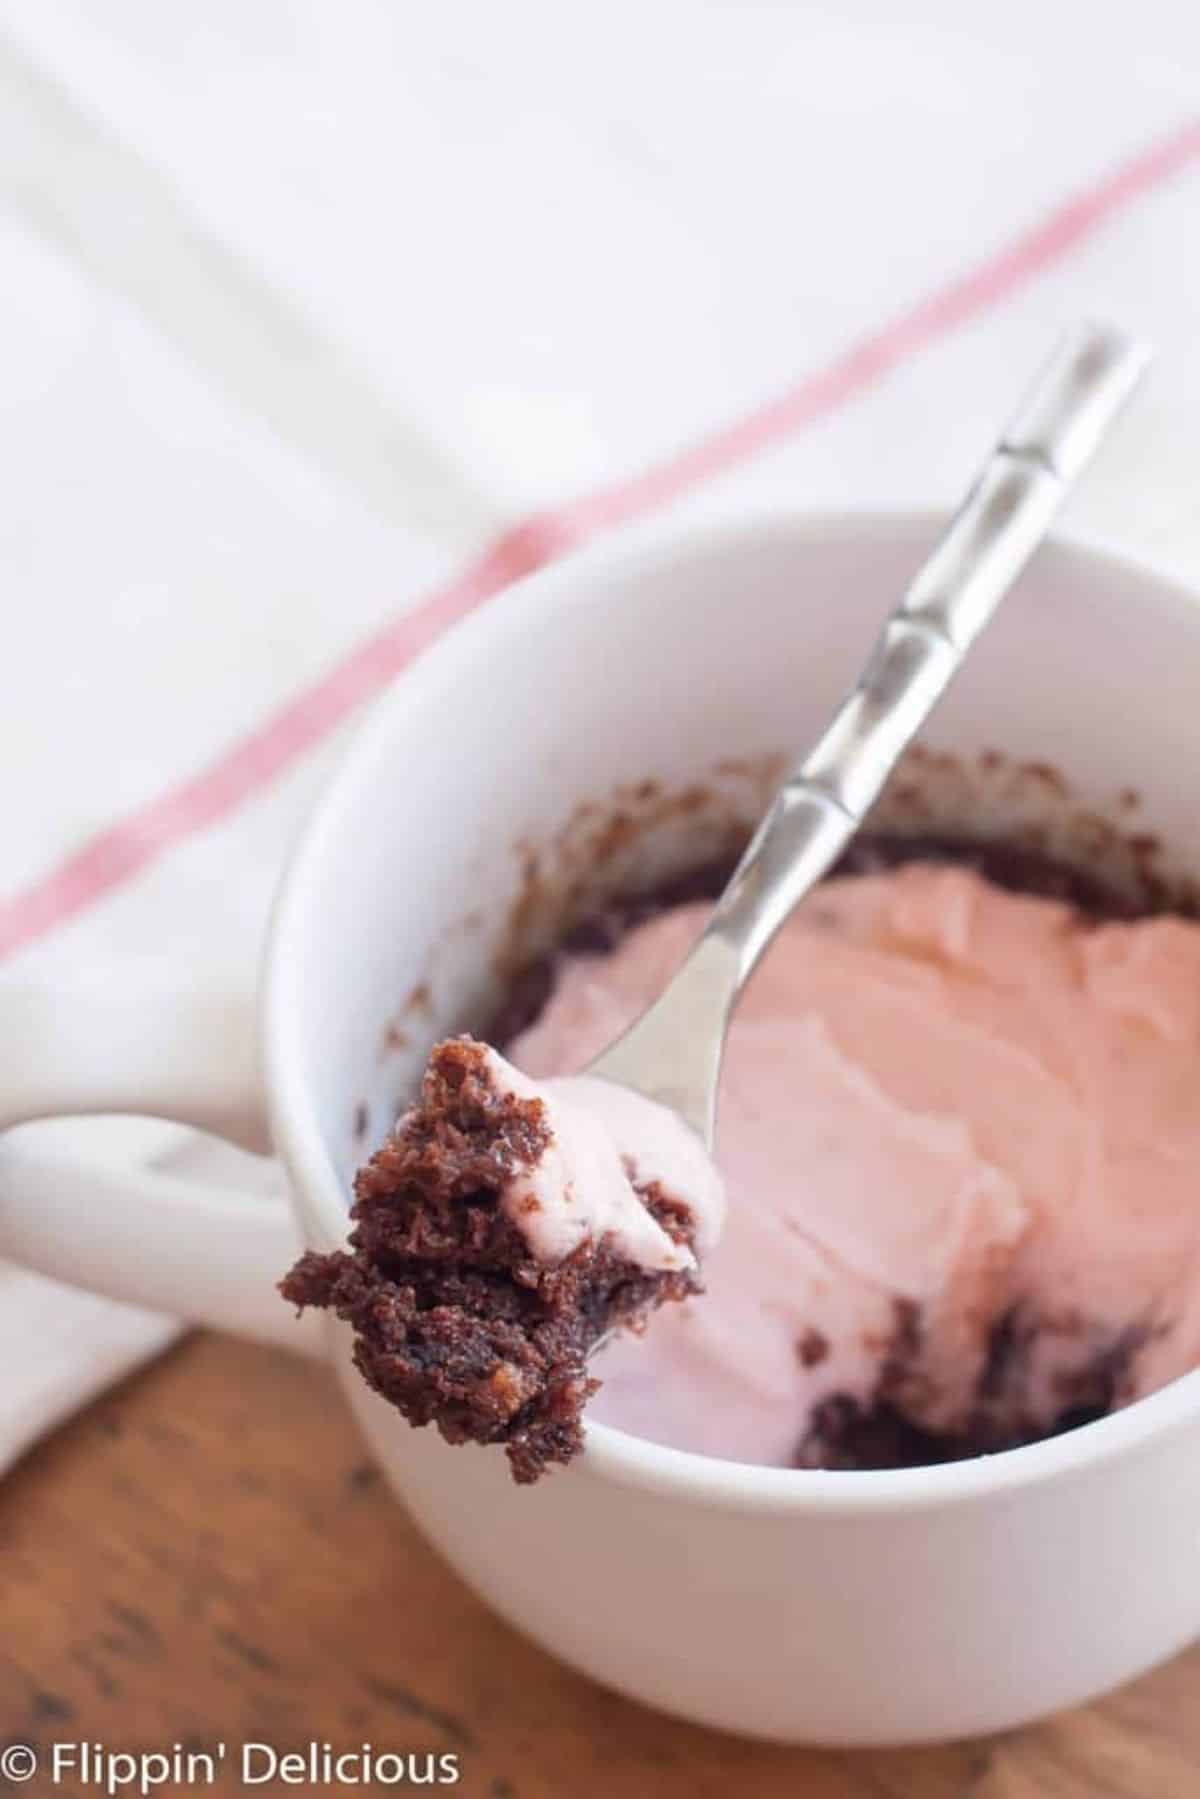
<point x="849" y="1608"/>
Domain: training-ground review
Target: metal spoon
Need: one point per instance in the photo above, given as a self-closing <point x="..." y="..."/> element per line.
<point x="672" y="1054"/>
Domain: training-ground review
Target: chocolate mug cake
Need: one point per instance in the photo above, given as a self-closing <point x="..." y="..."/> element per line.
<point x="959" y="1126"/>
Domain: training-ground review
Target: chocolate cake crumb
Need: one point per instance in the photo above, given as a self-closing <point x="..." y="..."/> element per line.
<point x="843" y="1433"/>
<point x="1018" y="868"/>
<point x="454" y="1322"/>
<point x="812" y="1347"/>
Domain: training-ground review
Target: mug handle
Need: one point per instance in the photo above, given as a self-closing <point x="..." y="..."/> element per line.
<point x="151" y="1238"/>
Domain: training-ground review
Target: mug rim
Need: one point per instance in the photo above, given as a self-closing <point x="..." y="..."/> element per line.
<point x="614" y="1454"/>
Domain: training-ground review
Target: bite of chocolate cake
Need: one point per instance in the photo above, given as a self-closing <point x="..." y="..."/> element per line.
<point x="499" y="1234"/>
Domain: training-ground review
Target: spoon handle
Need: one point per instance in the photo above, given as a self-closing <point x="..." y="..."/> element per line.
<point x="673" y="1052"/>
<point x="924" y="642"/>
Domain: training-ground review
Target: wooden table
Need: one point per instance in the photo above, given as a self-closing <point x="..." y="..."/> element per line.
<point x="206" y="1555"/>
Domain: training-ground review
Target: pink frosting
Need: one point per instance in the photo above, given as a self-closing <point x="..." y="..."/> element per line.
<point x="606" y="1144"/>
<point x="942" y="1105"/>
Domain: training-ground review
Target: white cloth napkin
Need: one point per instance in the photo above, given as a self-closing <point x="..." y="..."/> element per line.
<point x="318" y="323"/>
